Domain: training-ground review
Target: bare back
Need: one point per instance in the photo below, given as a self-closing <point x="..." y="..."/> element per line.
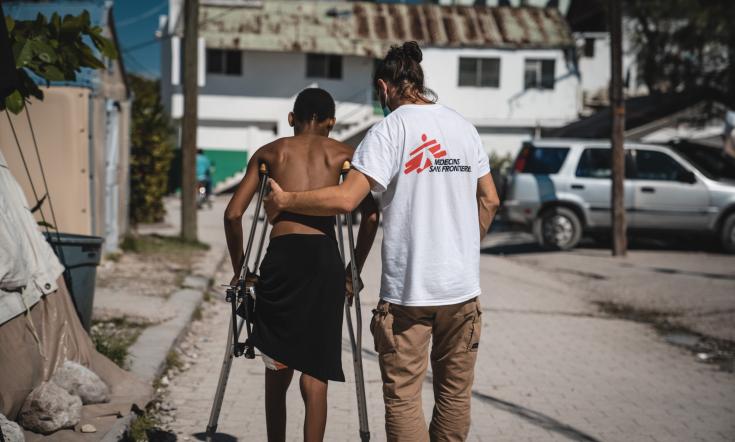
<point x="300" y="163"/>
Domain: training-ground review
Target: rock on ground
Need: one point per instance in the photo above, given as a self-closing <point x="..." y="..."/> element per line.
<point x="11" y="432"/>
<point x="78" y="380"/>
<point x="49" y="408"/>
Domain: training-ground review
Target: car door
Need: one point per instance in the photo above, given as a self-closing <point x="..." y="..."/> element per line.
<point x="668" y="196"/>
<point x="592" y="183"/>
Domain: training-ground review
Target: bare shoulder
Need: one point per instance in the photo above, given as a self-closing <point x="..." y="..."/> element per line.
<point x="270" y="152"/>
<point x="340" y="151"/>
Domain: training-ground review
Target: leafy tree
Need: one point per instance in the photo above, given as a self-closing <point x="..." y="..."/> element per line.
<point x="151" y="152"/>
<point x="685" y="45"/>
<point x="54" y="50"/>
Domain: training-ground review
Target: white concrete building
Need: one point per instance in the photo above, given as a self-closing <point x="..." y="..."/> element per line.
<point x="509" y="70"/>
<point x="589" y="25"/>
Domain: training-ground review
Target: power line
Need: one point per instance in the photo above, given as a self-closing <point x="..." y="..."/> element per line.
<point x="143" y="44"/>
<point x="147" y="43"/>
<point x="142" y="16"/>
<point x="141" y="67"/>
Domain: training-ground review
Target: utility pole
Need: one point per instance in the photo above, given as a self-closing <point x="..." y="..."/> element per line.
<point x="617" y="105"/>
<point x="189" y="123"/>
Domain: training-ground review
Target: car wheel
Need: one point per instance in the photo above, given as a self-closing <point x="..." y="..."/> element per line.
<point x="558" y="228"/>
<point x="727" y="235"/>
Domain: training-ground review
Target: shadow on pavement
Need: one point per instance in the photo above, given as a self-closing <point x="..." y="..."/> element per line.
<point x="531" y="416"/>
<point x="516" y="243"/>
<point x="536" y="418"/>
<point x="218" y="437"/>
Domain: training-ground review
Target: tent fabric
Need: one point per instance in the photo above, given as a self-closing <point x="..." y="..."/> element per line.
<point x="34" y="344"/>
<point x="28" y="266"/>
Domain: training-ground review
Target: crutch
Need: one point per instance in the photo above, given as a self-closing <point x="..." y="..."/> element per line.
<point x="355" y="338"/>
<point x="242" y="303"/>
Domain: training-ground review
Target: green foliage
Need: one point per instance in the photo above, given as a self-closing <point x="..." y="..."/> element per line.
<point x="141" y="428"/>
<point x="152" y="150"/>
<point x="685" y="45"/>
<point x="499" y="163"/>
<point x="114" y="338"/>
<point x="55" y="50"/>
<point x="158" y="244"/>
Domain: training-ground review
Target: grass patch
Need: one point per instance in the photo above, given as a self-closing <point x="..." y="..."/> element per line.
<point x="113" y="339"/>
<point x="197" y="314"/>
<point x="140" y="428"/>
<point x="113" y="256"/>
<point x="172" y="361"/>
<point x="153" y="244"/>
<point x="207" y="297"/>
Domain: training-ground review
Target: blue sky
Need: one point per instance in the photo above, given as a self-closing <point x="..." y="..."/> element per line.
<point x="137" y="21"/>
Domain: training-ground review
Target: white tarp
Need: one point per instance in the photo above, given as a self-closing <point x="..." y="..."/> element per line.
<point x="28" y="266"/>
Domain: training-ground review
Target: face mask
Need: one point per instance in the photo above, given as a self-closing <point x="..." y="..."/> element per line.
<point x="386" y="109"/>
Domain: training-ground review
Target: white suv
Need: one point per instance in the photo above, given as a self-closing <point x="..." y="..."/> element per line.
<point x="561" y="187"/>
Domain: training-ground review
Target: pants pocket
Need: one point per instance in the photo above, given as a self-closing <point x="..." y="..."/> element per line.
<point x="475" y="327"/>
<point x="381" y="326"/>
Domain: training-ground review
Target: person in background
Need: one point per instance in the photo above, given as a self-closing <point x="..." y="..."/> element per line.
<point x="438" y="200"/>
<point x="302" y="285"/>
<point x="204" y="171"/>
<point x="728" y="135"/>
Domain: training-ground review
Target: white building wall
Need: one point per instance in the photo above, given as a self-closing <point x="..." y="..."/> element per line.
<point x="509" y="104"/>
<point x="509" y="114"/>
<point x="246" y="111"/>
<point x="242" y="112"/>
<point x="595" y="71"/>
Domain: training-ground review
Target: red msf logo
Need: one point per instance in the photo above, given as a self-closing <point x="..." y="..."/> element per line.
<point x="417" y="155"/>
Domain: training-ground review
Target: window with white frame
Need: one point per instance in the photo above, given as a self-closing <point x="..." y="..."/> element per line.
<point x="539" y="73"/>
<point x="224" y="61"/>
<point x="479" y="72"/>
<point x="324" y="66"/>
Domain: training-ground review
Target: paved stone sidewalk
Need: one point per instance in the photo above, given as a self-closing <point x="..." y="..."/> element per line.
<point x="550" y="368"/>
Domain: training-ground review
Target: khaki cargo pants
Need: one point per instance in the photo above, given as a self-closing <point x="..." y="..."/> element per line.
<point x="402" y="335"/>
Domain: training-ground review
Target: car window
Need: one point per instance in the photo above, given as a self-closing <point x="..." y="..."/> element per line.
<point x="652" y="165"/>
<point x="597" y="163"/>
<point x="540" y="160"/>
<point x="709" y="160"/>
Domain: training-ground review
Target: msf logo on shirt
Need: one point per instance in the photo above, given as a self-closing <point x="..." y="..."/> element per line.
<point x="420" y="156"/>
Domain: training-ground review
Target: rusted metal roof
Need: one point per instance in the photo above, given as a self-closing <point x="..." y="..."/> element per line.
<point x="369" y="29"/>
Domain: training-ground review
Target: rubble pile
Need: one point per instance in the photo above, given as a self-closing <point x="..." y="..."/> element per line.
<point x="57" y="404"/>
<point x="78" y="380"/>
<point x="50" y="408"/>
<point x="10" y="430"/>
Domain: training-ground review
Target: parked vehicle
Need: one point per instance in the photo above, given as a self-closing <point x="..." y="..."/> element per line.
<point x="202" y="197"/>
<point x="560" y="188"/>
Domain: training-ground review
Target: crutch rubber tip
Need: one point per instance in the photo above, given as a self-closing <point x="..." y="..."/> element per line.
<point x="346" y="167"/>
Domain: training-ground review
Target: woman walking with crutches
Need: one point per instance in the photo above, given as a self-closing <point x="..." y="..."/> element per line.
<point x="301" y="290"/>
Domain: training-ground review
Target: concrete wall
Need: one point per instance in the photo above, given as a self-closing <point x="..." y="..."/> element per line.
<point x="245" y="111"/>
<point x="509" y="104"/>
<point x="61" y="126"/>
<point x="595" y="71"/>
<point x="509" y="114"/>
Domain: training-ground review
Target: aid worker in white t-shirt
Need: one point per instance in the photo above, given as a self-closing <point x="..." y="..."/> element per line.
<point x="438" y="200"/>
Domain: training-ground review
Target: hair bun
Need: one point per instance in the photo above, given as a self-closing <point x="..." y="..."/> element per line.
<point x="413" y="51"/>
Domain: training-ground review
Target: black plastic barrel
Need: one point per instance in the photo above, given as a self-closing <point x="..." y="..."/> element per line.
<point x="80" y="254"/>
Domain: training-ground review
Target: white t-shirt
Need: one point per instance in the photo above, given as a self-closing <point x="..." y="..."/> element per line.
<point x="426" y="159"/>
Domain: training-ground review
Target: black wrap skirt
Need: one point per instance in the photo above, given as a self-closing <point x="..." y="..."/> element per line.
<point x="299" y="305"/>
